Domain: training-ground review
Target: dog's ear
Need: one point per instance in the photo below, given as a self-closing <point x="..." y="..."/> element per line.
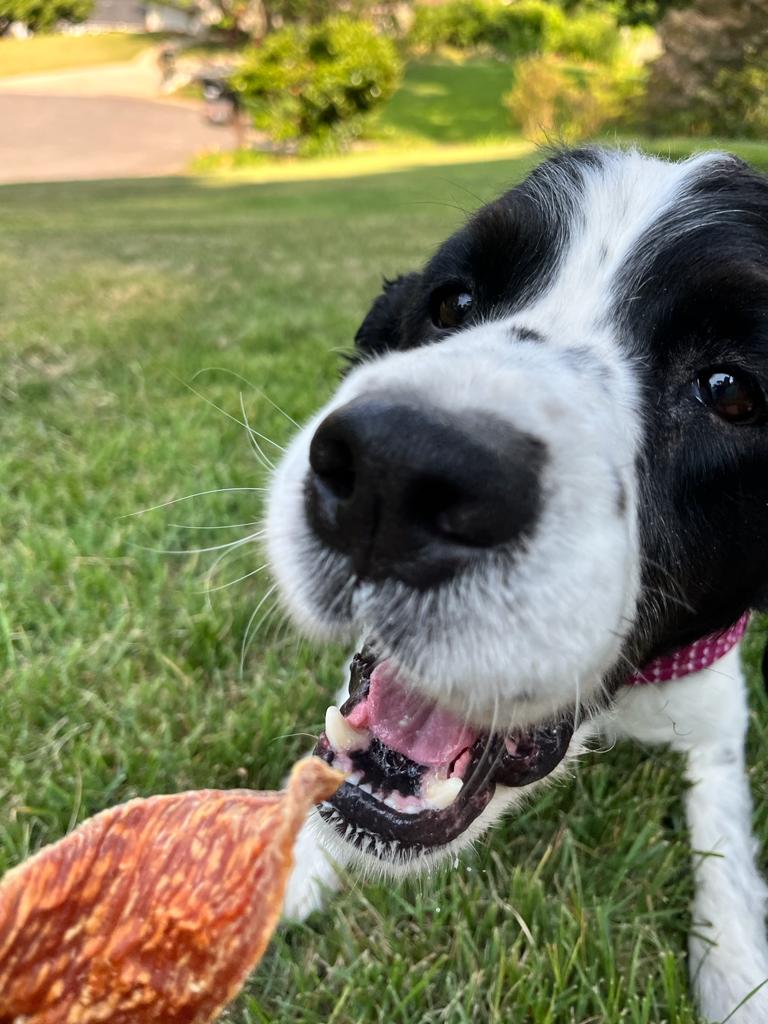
<point x="385" y="325"/>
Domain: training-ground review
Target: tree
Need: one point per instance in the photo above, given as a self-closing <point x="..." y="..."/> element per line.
<point x="712" y="77"/>
<point x="254" y="19"/>
<point x="43" y="15"/>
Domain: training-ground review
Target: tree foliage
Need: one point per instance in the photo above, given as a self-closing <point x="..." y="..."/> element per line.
<point x="516" y="29"/>
<point x="43" y="15"/>
<point x="712" y="77"/>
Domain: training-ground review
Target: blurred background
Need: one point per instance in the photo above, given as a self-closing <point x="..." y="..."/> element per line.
<point x="199" y="201"/>
<point x="106" y="88"/>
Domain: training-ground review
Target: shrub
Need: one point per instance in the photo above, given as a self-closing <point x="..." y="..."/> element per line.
<point x="517" y="29"/>
<point x="524" y="27"/>
<point x="592" y="36"/>
<point x="312" y="85"/>
<point x="554" y="98"/>
<point x="514" y="29"/>
<point x="457" y="23"/>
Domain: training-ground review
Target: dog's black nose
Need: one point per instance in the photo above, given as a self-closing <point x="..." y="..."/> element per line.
<point x="410" y="493"/>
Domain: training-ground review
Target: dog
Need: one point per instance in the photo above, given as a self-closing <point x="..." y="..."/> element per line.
<point x="540" y="496"/>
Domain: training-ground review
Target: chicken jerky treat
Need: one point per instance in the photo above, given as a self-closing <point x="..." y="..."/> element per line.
<point x="156" y="910"/>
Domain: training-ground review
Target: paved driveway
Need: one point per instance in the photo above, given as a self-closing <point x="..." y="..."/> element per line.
<point x="55" y="138"/>
<point x="106" y="122"/>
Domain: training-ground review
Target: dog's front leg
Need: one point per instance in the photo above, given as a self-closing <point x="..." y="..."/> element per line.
<point x="728" y="950"/>
<point x="315" y="874"/>
<point x="705" y="717"/>
<point x="314" y="877"/>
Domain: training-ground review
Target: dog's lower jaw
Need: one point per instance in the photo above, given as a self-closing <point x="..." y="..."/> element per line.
<point x="322" y="856"/>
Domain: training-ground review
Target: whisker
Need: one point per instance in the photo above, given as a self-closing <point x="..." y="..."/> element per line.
<point x="256" y="433"/>
<point x="202" y="551"/>
<point x="226" y="526"/>
<point x="261" y="624"/>
<point x="217" y="562"/>
<point x="277" y="408"/>
<point x="223" y="586"/>
<point x="261" y="456"/>
<point x="187" y="497"/>
<point x="228" y="415"/>
<point x="254" y="613"/>
<point x="254" y="387"/>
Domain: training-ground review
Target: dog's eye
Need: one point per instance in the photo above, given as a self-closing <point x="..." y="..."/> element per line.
<point x="450" y="306"/>
<point x="733" y="395"/>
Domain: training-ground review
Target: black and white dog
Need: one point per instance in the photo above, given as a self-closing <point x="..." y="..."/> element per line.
<point x="546" y="471"/>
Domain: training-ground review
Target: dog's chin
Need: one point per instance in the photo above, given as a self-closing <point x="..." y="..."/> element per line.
<point x="420" y="779"/>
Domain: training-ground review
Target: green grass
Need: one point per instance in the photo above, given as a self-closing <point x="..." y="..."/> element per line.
<point x="57" y="52"/>
<point x="445" y="102"/>
<point x="117" y="678"/>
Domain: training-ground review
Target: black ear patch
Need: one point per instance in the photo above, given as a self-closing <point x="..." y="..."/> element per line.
<point x="384" y="327"/>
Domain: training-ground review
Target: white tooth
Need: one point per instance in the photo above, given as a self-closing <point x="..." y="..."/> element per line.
<point x="340" y="733"/>
<point x="355" y="778"/>
<point x="366" y="787"/>
<point x="440" y="793"/>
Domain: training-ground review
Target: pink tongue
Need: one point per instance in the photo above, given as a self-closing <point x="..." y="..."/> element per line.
<point x="408" y="723"/>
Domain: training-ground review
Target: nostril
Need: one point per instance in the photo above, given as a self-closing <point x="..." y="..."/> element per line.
<point x="480" y="514"/>
<point x="460" y="524"/>
<point x="435" y="505"/>
<point x="333" y="462"/>
<point x="444" y="510"/>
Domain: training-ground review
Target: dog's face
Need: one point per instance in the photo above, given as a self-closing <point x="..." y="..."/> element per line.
<point x="548" y="465"/>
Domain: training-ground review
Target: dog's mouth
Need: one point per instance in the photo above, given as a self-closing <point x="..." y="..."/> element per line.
<point x="417" y="775"/>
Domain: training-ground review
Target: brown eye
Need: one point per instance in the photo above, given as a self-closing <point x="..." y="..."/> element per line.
<point x="733" y="395"/>
<point x="450" y="307"/>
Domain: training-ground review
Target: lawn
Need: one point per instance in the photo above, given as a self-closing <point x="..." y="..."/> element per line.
<point x="120" y="676"/>
<point x="447" y="102"/>
<point x="56" y="52"/>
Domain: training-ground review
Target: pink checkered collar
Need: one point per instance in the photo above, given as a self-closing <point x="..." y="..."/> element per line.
<point x="694" y="658"/>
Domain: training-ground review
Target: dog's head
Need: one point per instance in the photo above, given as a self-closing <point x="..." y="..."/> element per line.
<point x="548" y="466"/>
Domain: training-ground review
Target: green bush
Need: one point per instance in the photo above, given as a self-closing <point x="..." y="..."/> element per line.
<point x="570" y="100"/>
<point x="312" y="85"/>
<point x="517" y="29"/>
<point x="514" y="29"/>
<point x="591" y="35"/>
<point x="457" y="23"/>
<point x="523" y="27"/>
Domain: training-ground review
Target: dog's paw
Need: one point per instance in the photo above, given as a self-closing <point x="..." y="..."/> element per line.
<point x="314" y="877"/>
